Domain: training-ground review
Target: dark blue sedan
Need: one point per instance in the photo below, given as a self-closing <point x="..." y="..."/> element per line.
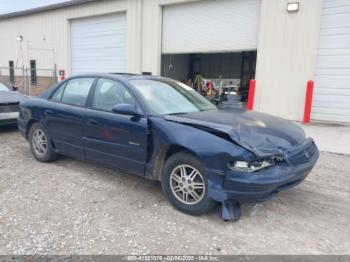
<point x="163" y="130"/>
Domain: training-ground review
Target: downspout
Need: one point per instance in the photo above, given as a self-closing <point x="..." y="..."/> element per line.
<point x="141" y="33"/>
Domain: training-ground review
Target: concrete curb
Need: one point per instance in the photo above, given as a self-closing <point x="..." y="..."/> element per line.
<point x="334" y="138"/>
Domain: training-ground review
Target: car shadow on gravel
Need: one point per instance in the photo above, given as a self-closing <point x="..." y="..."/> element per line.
<point x="144" y="187"/>
<point x="8" y="129"/>
<point x="153" y="191"/>
<point x="148" y="193"/>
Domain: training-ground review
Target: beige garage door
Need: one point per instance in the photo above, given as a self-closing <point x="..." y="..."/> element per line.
<point x="211" y="26"/>
<point x="98" y="44"/>
<point x="332" y="75"/>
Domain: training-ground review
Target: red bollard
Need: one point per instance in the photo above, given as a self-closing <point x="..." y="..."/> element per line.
<point x="251" y="94"/>
<point x="308" y="101"/>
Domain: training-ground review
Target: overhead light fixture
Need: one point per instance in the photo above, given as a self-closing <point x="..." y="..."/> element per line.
<point x="293" y="7"/>
<point x="19" y="38"/>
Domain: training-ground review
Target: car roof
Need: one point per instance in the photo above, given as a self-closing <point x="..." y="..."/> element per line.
<point x="122" y="76"/>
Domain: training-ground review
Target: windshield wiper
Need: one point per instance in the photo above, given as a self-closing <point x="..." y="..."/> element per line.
<point x="178" y="113"/>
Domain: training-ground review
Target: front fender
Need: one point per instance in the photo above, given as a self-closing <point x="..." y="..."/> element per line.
<point x="213" y="150"/>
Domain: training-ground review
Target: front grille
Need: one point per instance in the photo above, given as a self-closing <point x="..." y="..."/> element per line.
<point x="303" y="156"/>
<point x="9" y="108"/>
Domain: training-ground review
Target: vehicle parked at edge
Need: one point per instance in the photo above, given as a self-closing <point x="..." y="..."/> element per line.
<point x="9" y="105"/>
<point x="163" y="130"/>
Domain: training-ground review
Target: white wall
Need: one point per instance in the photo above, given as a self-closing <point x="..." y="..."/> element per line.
<point x="287" y="44"/>
<point x="51" y="31"/>
<point x="152" y="33"/>
<point x="287" y="50"/>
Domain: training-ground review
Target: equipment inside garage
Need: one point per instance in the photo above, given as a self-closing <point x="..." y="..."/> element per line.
<point x="215" y="39"/>
<point x="233" y="69"/>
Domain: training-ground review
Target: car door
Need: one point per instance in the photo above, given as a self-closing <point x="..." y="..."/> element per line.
<point x="115" y="139"/>
<point x="63" y="118"/>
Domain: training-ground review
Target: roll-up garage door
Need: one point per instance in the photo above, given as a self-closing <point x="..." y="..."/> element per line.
<point x="332" y="75"/>
<point x="98" y="44"/>
<point x="210" y="26"/>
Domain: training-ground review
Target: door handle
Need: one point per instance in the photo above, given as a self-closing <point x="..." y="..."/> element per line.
<point x="92" y="122"/>
<point x="48" y="112"/>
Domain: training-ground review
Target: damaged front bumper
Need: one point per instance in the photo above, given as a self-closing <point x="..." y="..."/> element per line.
<point x="264" y="184"/>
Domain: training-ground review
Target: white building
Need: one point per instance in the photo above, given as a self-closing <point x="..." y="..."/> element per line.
<point x="235" y="39"/>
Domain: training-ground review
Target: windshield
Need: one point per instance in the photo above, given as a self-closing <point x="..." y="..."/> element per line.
<point x="165" y="98"/>
<point x="3" y="88"/>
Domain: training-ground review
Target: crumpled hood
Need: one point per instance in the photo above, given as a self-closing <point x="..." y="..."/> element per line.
<point x="10" y="97"/>
<point x="262" y="134"/>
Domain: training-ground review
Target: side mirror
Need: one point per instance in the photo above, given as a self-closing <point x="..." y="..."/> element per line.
<point x="14" y="88"/>
<point x="126" y="109"/>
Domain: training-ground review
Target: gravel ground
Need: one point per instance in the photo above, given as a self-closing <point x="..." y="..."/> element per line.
<point x="72" y="207"/>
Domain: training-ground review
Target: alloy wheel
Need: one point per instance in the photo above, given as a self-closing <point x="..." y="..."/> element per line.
<point x="187" y="184"/>
<point x="39" y="142"/>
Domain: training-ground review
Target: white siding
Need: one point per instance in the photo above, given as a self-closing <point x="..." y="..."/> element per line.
<point x="51" y="30"/>
<point x="287" y="43"/>
<point x="211" y="26"/>
<point x="98" y="44"/>
<point x="331" y="100"/>
<point x="286" y="58"/>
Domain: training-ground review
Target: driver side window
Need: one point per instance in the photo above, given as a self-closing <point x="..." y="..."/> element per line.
<point x="109" y="93"/>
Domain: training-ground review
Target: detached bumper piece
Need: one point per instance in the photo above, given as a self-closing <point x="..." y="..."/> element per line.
<point x="231" y="211"/>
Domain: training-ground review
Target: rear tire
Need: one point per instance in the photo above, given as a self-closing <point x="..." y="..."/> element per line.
<point x="40" y="144"/>
<point x="185" y="184"/>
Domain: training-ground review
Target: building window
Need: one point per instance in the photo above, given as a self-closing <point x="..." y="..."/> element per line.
<point x="12" y="72"/>
<point x="33" y="77"/>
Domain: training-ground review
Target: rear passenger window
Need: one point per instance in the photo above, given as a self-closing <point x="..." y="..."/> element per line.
<point x="77" y="91"/>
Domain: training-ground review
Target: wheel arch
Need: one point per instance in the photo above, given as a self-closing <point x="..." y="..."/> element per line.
<point x="165" y="153"/>
<point x="29" y="125"/>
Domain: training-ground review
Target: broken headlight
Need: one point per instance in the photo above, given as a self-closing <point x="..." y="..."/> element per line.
<point x="244" y="166"/>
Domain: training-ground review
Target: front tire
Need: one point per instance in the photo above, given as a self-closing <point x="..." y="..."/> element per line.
<point x="185" y="184"/>
<point x="40" y="146"/>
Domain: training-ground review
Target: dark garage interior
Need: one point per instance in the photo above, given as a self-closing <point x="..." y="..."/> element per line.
<point x="234" y="69"/>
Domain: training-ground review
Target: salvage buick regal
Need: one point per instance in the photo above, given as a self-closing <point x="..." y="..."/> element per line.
<point x="163" y="130"/>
